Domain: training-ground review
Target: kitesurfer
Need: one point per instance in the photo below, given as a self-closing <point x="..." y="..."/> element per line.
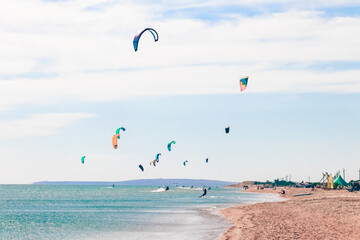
<point x="204" y="193"/>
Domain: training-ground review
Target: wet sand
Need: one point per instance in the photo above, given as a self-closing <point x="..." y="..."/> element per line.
<point x="325" y="214"/>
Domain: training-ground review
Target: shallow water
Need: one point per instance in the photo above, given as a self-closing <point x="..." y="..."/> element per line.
<point x="123" y="212"/>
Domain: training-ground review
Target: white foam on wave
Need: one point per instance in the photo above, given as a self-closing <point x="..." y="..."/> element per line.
<point x="189" y="188"/>
<point x="159" y="190"/>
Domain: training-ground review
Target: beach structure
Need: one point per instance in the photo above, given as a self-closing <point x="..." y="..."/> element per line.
<point x="337" y="174"/>
<point x="327" y="181"/>
<point x="355" y="186"/>
<point x="340" y="182"/>
<point x="330" y="183"/>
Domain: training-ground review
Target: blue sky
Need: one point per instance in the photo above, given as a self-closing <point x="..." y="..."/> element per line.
<point x="70" y="77"/>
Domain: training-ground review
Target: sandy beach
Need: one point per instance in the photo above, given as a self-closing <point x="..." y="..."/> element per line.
<point x="324" y="214"/>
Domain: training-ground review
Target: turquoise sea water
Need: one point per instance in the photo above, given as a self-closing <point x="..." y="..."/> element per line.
<point x="122" y="212"/>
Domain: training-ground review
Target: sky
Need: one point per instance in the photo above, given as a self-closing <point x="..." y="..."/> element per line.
<point x="69" y="77"/>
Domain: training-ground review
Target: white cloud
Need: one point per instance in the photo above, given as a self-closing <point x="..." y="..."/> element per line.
<point x="172" y="81"/>
<point x="165" y="4"/>
<point x="39" y="124"/>
<point x="90" y="53"/>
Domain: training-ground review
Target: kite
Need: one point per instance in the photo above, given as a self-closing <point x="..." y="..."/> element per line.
<point x="207" y="160"/>
<point x="114" y="140"/>
<point x="83" y="159"/>
<point x="243" y="83"/>
<point x="141" y="167"/>
<point x="227" y="130"/>
<point x="153" y="162"/>
<point x="169" y="145"/>
<point x="185" y="162"/>
<point x="118" y="131"/>
<point x="157" y="157"/>
<point x="138" y="35"/>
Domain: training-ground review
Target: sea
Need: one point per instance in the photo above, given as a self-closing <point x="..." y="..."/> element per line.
<point x="120" y="212"/>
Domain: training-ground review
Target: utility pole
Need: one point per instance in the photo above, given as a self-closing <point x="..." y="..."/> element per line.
<point x="344" y="173"/>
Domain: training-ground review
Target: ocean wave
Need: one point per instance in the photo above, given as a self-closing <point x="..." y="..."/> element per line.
<point x="159" y="190"/>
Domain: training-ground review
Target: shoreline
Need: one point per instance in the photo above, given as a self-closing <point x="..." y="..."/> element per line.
<point x="213" y="212"/>
<point x="304" y="214"/>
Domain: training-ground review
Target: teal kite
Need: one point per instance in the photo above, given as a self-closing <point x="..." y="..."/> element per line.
<point x="169" y="145"/>
<point x="157" y="157"/>
<point x="118" y="131"/>
<point x="83" y="159"/>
